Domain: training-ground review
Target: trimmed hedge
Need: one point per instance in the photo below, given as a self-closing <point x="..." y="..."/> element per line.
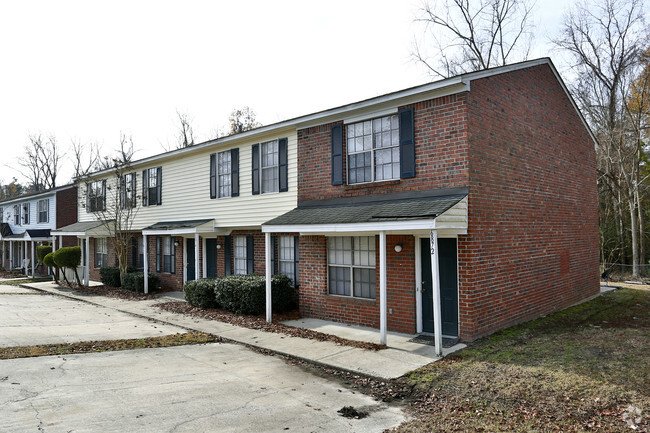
<point x="135" y="281"/>
<point x="110" y="276"/>
<point x="200" y="293"/>
<point x="42" y="251"/>
<point x="246" y="294"/>
<point x="48" y="260"/>
<point x="68" y="257"/>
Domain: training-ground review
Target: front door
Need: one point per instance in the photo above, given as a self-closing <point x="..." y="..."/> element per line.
<point x="447" y="267"/>
<point x="191" y="275"/>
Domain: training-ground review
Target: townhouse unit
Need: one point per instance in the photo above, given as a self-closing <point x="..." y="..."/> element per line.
<point x="27" y="221"/>
<point x="457" y="208"/>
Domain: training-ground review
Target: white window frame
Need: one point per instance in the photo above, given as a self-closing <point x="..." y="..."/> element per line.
<point x="166" y="254"/>
<point x="372" y="132"/>
<point x="96" y="196"/>
<point x="225" y="174"/>
<point x="240" y="255"/>
<point x="286" y="257"/>
<point x="128" y="190"/>
<point x="46" y="204"/>
<point x="25" y="213"/>
<point x="352" y="258"/>
<point x="274" y="167"/>
<point x="17" y="219"/>
<point x="101" y="252"/>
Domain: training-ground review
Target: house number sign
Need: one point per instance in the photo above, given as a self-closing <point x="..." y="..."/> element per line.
<point x="432" y="242"/>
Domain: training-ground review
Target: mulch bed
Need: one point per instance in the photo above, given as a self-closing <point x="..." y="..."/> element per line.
<point x="259" y="322"/>
<point x="111" y="292"/>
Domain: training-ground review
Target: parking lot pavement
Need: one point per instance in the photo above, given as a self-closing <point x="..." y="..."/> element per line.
<point x="28" y="317"/>
<point x="207" y="388"/>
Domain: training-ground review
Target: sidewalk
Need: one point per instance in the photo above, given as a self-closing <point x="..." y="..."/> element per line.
<point x="383" y="364"/>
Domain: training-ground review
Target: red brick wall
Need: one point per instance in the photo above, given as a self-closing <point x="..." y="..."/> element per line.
<point x="112" y="258"/>
<point x="66" y="207"/>
<point x="315" y="301"/>
<point x="532" y="246"/>
<point x="440" y="152"/>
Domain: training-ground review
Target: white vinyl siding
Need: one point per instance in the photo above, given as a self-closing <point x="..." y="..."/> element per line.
<point x="186" y="189"/>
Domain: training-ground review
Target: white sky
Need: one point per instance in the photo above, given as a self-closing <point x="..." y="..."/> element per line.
<point x="87" y="70"/>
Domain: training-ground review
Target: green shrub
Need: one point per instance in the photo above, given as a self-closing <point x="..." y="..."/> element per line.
<point x="246" y="294"/>
<point x="135" y="281"/>
<point x="68" y="257"/>
<point x="42" y="251"/>
<point x="201" y="293"/>
<point x="48" y="260"/>
<point x="110" y="276"/>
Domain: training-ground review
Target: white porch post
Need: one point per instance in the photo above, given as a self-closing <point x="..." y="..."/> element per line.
<point x="435" y="286"/>
<point x="11" y="255"/>
<point x="382" y="288"/>
<point x="24" y="257"/>
<point x="146" y="264"/>
<point x="204" y="268"/>
<point x="87" y="271"/>
<point x="197" y="270"/>
<point x="33" y="267"/>
<point x="268" y="272"/>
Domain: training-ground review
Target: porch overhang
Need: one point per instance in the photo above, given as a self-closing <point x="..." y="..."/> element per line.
<point x="83" y="229"/>
<point x="180" y="228"/>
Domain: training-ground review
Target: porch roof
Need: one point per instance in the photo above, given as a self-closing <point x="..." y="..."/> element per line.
<point x="5" y="230"/>
<point x="37" y="234"/>
<point x="180" y="227"/>
<point x="381" y="211"/>
<point x="83" y="228"/>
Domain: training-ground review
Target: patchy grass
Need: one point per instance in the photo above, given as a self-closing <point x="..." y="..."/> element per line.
<point x="21" y="281"/>
<point x="583" y="369"/>
<point x="107" y="346"/>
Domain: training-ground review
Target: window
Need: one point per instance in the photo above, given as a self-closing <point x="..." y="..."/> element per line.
<point x="373" y="150"/>
<point x="16" y="215"/>
<point x="25" y="214"/>
<point x="270" y="166"/>
<point x="2" y="215"/>
<point x="44" y="210"/>
<point x="127" y="191"/>
<point x="351" y="263"/>
<point x="101" y="253"/>
<point x="240" y="254"/>
<point x="96" y="196"/>
<point x="287" y="257"/>
<point x="165" y="254"/>
<point x="152" y="186"/>
<point x="224" y="174"/>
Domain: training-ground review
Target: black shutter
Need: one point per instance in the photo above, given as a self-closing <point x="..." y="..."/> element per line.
<point x="256" y="168"/>
<point x="103" y="195"/>
<point x="134" y="252"/>
<point x="88" y="208"/>
<point x="250" y="254"/>
<point x="406" y="143"/>
<point x="158" y="246"/>
<point x="337" y="155"/>
<point x="234" y="172"/>
<point x="213" y="175"/>
<point x="284" y="175"/>
<point x="122" y="192"/>
<point x="159" y="186"/>
<point x="172" y="247"/>
<point x="227" y="256"/>
<point x="296" y="259"/>
<point x="145" y="188"/>
<point x="273" y="256"/>
<point x="133" y="190"/>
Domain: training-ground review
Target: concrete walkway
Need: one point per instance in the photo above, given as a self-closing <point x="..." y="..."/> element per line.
<point x="383" y="364"/>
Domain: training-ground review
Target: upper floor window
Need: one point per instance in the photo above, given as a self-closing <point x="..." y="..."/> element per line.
<point x="351" y="263"/>
<point x="270" y="166"/>
<point x="224" y="174"/>
<point x="96" y="192"/>
<point x="152" y="186"/>
<point x="2" y="215"/>
<point x="25" y="213"/>
<point x="127" y="191"/>
<point x="16" y="214"/>
<point x="373" y="150"/>
<point x="44" y="210"/>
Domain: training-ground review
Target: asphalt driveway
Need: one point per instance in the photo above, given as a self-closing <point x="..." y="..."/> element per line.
<point x="201" y="388"/>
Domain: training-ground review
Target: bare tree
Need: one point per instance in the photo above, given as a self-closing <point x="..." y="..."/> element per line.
<point x="41" y="159"/>
<point x="606" y="39"/>
<point x="185" y="131"/>
<point x="85" y="158"/>
<point x="469" y="35"/>
<point x="242" y="119"/>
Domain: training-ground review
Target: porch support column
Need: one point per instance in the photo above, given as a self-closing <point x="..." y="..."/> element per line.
<point x="197" y="270"/>
<point x="435" y="286"/>
<point x="204" y="268"/>
<point x="11" y="255"/>
<point x="33" y="267"/>
<point x="146" y="263"/>
<point x="24" y="266"/>
<point x="268" y="271"/>
<point x="382" y="288"/>
<point x="87" y="271"/>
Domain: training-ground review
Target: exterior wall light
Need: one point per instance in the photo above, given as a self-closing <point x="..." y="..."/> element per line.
<point x="398" y="248"/>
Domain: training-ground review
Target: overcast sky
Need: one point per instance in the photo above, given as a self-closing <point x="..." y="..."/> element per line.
<point x="87" y="70"/>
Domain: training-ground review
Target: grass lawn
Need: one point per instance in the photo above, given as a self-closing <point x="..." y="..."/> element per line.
<point x="582" y="369"/>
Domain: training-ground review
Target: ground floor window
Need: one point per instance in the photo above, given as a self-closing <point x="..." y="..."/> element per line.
<point x="240" y="254"/>
<point x="351" y="266"/>
<point x="287" y="257"/>
<point x="101" y="252"/>
<point x="165" y="254"/>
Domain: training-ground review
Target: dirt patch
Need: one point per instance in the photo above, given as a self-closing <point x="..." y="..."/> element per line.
<point x="351" y="412"/>
<point x="111" y="292"/>
<point x="259" y="322"/>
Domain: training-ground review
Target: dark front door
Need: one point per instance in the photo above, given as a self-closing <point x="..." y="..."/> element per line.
<point x="447" y="267"/>
<point x="191" y="272"/>
<point x="211" y="257"/>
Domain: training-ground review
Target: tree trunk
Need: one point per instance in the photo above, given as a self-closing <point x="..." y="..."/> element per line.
<point x="635" y="235"/>
<point x="621" y="237"/>
<point x="639" y="207"/>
